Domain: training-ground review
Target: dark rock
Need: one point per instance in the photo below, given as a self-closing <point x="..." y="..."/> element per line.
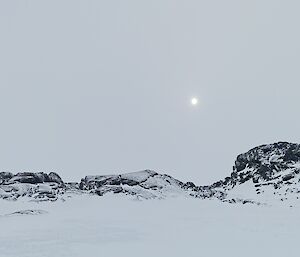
<point x="288" y="177"/>
<point x="35" y="178"/>
<point x="189" y="185"/>
<point x="27" y="177"/>
<point x="265" y="172"/>
<point x="128" y="182"/>
<point x="5" y="176"/>
<point x="54" y="177"/>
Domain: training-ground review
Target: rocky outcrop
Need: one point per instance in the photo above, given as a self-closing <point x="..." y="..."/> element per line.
<point x="262" y="174"/>
<point x="146" y="184"/>
<point x="37" y="186"/>
<point x="29" y="177"/>
<point x="269" y="170"/>
<point x="143" y="184"/>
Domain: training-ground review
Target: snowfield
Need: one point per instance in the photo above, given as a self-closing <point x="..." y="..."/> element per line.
<point x="253" y="212"/>
<point x="115" y="225"/>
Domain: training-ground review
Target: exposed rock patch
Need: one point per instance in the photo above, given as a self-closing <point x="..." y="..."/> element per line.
<point x="38" y="186"/>
<point x="27" y="212"/>
<point x="270" y="169"/>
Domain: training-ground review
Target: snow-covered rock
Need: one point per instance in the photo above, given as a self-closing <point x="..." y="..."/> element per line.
<point x="145" y="184"/>
<point x="264" y="174"/>
<point x="37" y="186"/>
<point x="27" y="212"/>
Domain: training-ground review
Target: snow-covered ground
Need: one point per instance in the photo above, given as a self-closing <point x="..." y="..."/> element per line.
<point x="115" y="225"/>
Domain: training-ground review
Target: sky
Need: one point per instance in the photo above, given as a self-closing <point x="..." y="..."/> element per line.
<point x="104" y="87"/>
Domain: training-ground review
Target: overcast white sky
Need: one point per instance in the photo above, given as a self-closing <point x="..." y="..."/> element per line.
<point x="97" y="87"/>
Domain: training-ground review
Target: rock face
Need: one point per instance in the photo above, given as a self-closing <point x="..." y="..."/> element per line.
<point x="143" y="184"/>
<point x="267" y="171"/>
<point x="38" y="186"/>
<point x="263" y="174"/>
<point x="30" y="178"/>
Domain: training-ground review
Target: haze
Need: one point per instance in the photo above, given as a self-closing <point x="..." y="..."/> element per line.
<point x="97" y="87"/>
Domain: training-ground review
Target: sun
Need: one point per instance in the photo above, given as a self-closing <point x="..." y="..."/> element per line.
<point x="194" y="101"/>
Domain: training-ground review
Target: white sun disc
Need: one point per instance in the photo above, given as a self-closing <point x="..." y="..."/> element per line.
<point x="194" y="101"/>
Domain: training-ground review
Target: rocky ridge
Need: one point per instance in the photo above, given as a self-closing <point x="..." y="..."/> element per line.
<point x="265" y="173"/>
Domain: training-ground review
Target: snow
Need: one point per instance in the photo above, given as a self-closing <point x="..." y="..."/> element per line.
<point x="114" y="225"/>
<point x="38" y="191"/>
<point x="139" y="176"/>
<point x="110" y="216"/>
<point x="145" y="184"/>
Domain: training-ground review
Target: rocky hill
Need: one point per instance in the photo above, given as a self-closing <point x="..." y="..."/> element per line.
<point x="144" y="184"/>
<point x="264" y="174"/>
